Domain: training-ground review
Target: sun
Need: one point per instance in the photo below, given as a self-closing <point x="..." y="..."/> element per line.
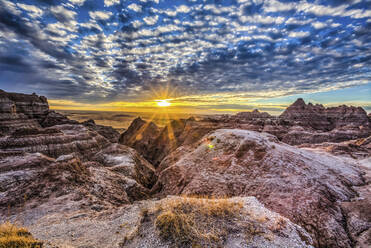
<point x="163" y="103"/>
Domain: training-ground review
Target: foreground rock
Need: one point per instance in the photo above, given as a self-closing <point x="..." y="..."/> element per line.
<point x="304" y="186"/>
<point x="142" y="224"/>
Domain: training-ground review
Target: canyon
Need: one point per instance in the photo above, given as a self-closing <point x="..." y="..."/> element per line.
<point x="301" y="179"/>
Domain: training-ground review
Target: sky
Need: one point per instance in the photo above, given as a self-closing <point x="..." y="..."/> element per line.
<point x="202" y="56"/>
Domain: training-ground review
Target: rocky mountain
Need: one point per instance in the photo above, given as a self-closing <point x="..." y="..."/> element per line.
<point x="237" y="179"/>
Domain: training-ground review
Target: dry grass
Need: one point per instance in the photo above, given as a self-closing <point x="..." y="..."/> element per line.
<point x="195" y="221"/>
<point x="12" y="236"/>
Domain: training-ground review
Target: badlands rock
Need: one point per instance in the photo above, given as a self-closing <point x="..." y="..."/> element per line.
<point x="108" y="132"/>
<point x="20" y="110"/>
<point x="155" y="144"/>
<point x="326" y="119"/>
<point x="134" y="226"/>
<point x="140" y="135"/>
<point x="301" y="185"/>
<point x="300" y="123"/>
<point x="360" y="148"/>
<point x="55" y="141"/>
<point x="53" y="118"/>
<point x="115" y="176"/>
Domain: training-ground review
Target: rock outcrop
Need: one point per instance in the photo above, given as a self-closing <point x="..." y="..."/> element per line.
<point x="357" y="149"/>
<point x="326" y="119"/>
<point x="55" y="141"/>
<point x="115" y="176"/>
<point x="135" y="226"/>
<point x="108" y="132"/>
<point x="45" y="157"/>
<point x="21" y="110"/>
<point x="72" y="184"/>
<point x="301" y="185"/>
<point x="140" y="135"/>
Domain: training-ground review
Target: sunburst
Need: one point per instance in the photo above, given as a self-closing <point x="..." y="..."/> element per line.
<point x="163" y="103"/>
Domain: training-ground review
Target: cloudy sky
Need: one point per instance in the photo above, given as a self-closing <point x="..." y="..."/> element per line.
<point x="220" y="55"/>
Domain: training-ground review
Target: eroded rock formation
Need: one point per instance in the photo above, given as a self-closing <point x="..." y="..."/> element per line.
<point x="72" y="184"/>
<point x="299" y="124"/>
<point x="301" y="185"/>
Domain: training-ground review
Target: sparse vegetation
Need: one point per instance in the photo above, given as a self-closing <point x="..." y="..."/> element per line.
<point x="12" y="236"/>
<point x="196" y="222"/>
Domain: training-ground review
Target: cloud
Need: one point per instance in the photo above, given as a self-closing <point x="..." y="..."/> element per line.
<point x="32" y="10"/>
<point x="100" y="15"/>
<point x="150" y="20"/>
<point x="62" y="14"/>
<point x="135" y="7"/>
<point x="78" y="2"/>
<point x="123" y="49"/>
<point x="318" y="25"/>
<point x="299" y="34"/>
<point x="109" y="3"/>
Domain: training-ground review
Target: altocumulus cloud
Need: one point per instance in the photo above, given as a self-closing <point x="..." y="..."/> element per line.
<point x="110" y="49"/>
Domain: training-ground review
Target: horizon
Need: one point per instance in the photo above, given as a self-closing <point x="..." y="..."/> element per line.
<point x="187" y="57"/>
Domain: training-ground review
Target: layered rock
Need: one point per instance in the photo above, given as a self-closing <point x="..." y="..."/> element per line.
<point x="304" y="186"/>
<point x="53" y="118"/>
<point x="326" y="119"/>
<point x="115" y="176"/>
<point x="55" y="141"/>
<point x="360" y="148"/>
<point x="44" y="156"/>
<point x="106" y="131"/>
<point x="20" y="110"/>
<point x="33" y="106"/>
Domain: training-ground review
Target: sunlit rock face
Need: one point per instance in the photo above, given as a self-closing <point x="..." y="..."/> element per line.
<point x="155" y="143"/>
<point x="301" y="185"/>
<point x="140" y="135"/>
<point x="134" y="226"/>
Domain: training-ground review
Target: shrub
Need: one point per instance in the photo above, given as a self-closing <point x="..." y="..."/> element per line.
<point x="196" y="222"/>
<point x="12" y="236"/>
